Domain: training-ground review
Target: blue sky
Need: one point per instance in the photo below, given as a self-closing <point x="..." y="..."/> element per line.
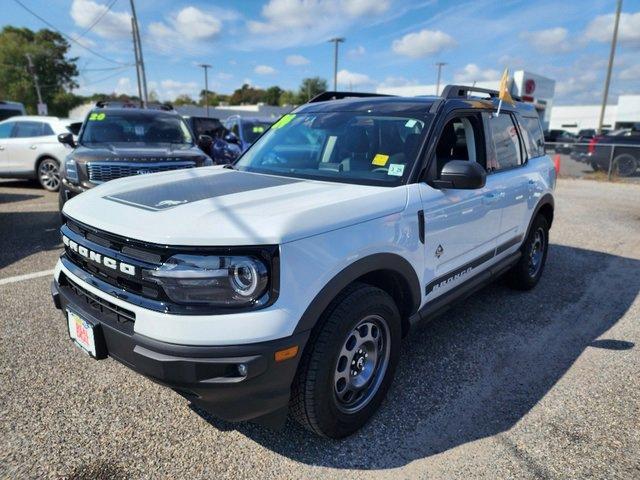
<point x="388" y="42"/>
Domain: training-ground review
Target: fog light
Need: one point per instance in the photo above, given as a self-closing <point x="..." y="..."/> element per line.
<point x="242" y="370"/>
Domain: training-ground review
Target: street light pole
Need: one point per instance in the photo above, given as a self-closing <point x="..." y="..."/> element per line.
<point x="206" y="67"/>
<point x="612" y="54"/>
<point x="137" y="57"/>
<point x="140" y="59"/>
<point x="336" y="41"/>
<point x="33" y="73"/>
<point x="439" y="65"/>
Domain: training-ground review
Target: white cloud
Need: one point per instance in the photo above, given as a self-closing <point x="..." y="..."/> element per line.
<point x="630" y="73"/>
<point x="112" y="24"/>
<point x="423" y="43"/>
<point x="393" y="81"/>
<point x="125" y="87"/>
<point x="473" y="73"/>
<point x="297" y="22"/>
<point x="601" y="29"/>
<point x="551" y="40"/>
<point x="352" y="79"/>
<point x="297" y="60"/>
<point x="264" y="70"/>
<point x="169" y="89"/>
<point x="357" y="51"/>
<point x="187" y="32"/>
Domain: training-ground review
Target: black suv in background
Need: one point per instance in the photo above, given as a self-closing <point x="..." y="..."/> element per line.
<point x="123" y="140"/>
<point x="225" y="146"/>
<point x="625" y="144"/>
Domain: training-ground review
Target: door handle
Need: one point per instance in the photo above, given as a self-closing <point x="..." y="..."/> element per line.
<point x="1" y="147"/>
<point x="33" y="147"/>
<point x="493" y="197"/>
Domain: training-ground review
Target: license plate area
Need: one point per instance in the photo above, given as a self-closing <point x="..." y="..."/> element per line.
<point x="86" y="335"/>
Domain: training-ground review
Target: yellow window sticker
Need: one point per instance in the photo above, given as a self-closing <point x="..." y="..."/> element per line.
<point x="380" y="160"/>
<point x="283" y="121"/>
<point x="97" y="116"/>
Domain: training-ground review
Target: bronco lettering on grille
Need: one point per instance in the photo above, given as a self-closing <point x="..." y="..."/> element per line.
<point x="98" y="258"/>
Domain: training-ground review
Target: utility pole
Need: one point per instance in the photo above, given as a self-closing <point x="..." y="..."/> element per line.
<point x="206" y="67"/>
<point x="135" y="52"/>
<point x="439" y="65"/>
<point x="140" y="62"/>
<point x="32" y="71"/>
<point x="336" y="41"/>
<point x="612" y="54"/>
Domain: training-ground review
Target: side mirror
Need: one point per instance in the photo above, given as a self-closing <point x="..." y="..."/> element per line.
<point x="205" y="142"/>
<point x="461" y="174"/>
<point x="67" y="139"/>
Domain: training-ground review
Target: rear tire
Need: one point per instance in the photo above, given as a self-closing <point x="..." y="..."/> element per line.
<point x="525" y="274"/>
<point x="625" y="165"/>
<point x="346" y="369"/>
<point x="48" y="172"/>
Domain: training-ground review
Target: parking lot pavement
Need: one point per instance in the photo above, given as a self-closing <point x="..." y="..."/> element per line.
<point x="542" y="384"/>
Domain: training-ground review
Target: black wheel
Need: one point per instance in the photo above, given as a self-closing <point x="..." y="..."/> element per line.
<point x="527" y="272"/>
<point x="349" y="363"/>
<point x="49" y="174"/>
<point x="625" y="165"/>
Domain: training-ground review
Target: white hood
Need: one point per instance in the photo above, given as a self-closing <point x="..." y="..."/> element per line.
<point x="216" y="207"/>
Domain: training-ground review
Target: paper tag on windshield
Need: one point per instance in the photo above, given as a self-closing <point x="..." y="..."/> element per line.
<point x="396" y="169"/>
<point x="380" y="160"/>
<point x="139" y="129"/>
<point x="410" y="123"/>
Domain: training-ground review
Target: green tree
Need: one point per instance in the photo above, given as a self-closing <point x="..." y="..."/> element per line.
<point x="215" y="99"/>
<point x="56" y="72"/>
<point x="247" y="95"/>
<point x="310" y="87"/>
<point x="272" y="95"/>
<point x="183" y="99"/>
<point x="288" y="97"/>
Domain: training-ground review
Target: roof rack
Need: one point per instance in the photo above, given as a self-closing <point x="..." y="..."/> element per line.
<point x="118" y="104"/>
<point x="327" y="96"/>
<point x="462" y="91"/>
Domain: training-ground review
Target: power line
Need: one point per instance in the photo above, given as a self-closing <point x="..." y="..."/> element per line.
<point x="71" y="39"/>
<point x="98" y="18"/>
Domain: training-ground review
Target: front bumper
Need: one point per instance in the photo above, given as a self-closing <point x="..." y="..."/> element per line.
<point x="208" y="376"/>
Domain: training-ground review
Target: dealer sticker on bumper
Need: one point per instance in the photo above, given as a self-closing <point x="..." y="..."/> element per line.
<point x="81" y="332"/>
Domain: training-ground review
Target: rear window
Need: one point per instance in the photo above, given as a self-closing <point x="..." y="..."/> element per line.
<point x="533" y="136"/>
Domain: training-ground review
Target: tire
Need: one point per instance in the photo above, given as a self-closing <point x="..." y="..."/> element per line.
<point x="355" y="348"/>
<point x="48" y="174"/>
<point x="625" y="165"/>
<point x="525" y="274"/>
<point x="595" y="167"/>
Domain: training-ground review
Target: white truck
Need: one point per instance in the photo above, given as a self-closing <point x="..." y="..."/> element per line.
<point x="284" y="283"/>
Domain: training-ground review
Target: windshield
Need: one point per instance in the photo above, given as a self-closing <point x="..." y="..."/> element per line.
<point x="135" y="128"/>
<point x="338" y="146"/>
<point x="252" y="129"/>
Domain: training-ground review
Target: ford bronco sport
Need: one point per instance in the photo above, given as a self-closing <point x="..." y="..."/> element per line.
<point x="285" y="282"/>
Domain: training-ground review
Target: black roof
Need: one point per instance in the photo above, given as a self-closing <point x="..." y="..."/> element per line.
<point x="378" y="104"/>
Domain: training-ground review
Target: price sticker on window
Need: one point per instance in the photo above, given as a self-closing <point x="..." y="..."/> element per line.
<point x="396" y="169"/>
<point x="97" y="116"/>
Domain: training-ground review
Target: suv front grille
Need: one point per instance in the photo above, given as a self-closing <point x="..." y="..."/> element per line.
<point x="104" y="171"/>
<point x="115" y="315"/>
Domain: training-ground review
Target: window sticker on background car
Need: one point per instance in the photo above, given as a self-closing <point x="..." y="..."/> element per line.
<point x="380" y="160"/>
<point x="139" y="129"/>
<point x="257" y="129"/>
<point x="284" y="120"/>
<point x="97" y="116"/>
<point x="396" y="169"/>
<point x="410" y="123"/>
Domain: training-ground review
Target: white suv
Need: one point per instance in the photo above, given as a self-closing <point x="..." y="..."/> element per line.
<point x="29" y="148"/>
<point x="286" y="282"/>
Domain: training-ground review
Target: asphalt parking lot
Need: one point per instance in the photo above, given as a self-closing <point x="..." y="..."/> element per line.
<point x="542" y="384"/>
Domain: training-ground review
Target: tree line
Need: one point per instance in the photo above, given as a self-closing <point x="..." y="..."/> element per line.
<point x="57" y="73"/>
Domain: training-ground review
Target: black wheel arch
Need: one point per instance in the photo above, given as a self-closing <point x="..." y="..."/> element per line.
<point x="387" y="271"/>
<point x="545" y="207"/>
<point x="41" y="158"/>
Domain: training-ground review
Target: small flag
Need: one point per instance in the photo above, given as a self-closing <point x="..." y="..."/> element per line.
<point x="504" y="88"/>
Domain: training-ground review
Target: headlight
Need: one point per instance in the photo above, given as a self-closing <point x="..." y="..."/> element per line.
<point x="71" y="170"/>
<point x="225" y="281"/>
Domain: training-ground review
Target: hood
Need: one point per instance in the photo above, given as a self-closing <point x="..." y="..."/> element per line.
<point x="214" y="206"/>
<point x="129" y="153"/>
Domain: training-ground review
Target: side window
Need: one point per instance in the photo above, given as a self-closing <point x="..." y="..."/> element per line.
<point x="533" y="136"/>
<point x="46" y="129"/>
<point x="506" y="143"/>
<point x="235" y="129"/>
<point x="27" y="129"/>
<point x="460" y="139"/>
<point x="5" y="129"/>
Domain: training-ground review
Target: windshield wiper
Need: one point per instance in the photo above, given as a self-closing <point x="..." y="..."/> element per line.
<point x="229" y="166"/>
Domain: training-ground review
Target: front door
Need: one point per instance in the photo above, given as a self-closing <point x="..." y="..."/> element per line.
<point x="461" y="226"/>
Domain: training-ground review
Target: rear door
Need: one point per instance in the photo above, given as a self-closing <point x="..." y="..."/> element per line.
<point x="505" y="162"/>
<point x="22" y="146"/>
<point x="461" y="226"/>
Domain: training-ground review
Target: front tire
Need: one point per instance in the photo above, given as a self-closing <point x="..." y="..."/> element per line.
<point x="48" y="172"/>
<point x="525" y="274"/>
<point x="349" y="364"/>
